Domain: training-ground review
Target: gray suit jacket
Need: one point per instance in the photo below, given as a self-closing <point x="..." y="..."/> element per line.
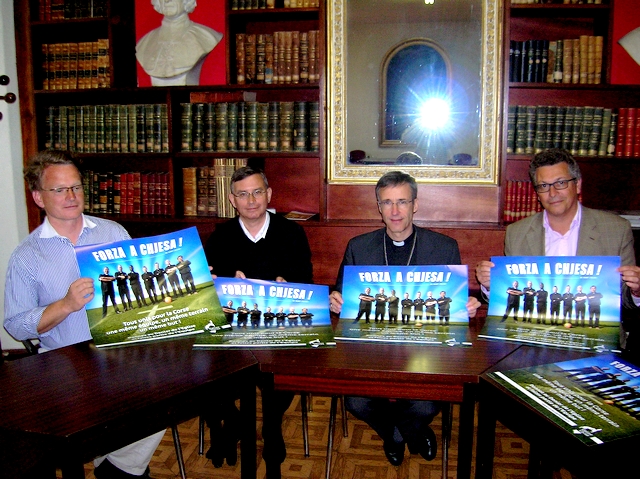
<point x="601" y="234"/>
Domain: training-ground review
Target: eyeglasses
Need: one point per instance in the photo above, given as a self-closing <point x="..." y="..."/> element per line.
<point x="244" y="195"/>
<point x="388" y="204"/>
<point x="558" y="185"/>
<point x="63" y="190"/>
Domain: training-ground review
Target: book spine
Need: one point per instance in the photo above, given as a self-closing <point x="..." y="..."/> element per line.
<point x="189" y="191"/>
<point x="197" y="130"/>
<point x="71" y="128"/>
<point x="577" y="130"/>
<point x="585" y="133"/>
<point x="314" y="126"/>
<point x="240" y="59"/>
<point x="123" y="119"/>
<point x="136" y="193"/>
<point x="304" y="57"/>
<point x="250" y="58"/>
<point x="221" y="126"/>
<point x="606" y="127"/>
<point x="630" y="132"/>
<point x="543" y="71"/>
<point x="598" y="60"/>
<point x="540" y="128"/>
<point x="93" y="129"/>
<point x="212" y="194"/>
<point x="611" y="145"/>
<point x="567" y="132"/>
<point x="622" y="130"/>
<point x="132" y="120"/>
<point x="260" y="57"/>
<point x="232" y="126"/>
<point x="209" y="127"/>
<point x="300" y="128"/>
<point x="101" y="138"/>
<point x="164" y="127"/>
<point x="295" y="57"/>
<point x="567" y="60"/>
<point x="80" y="130"/>
<point x="575" y="67"/>
<point x="263" y="126"/>
<point x="251" y="111"/>
<point x="558" y="62"/>
<point x="551" y="126"/>
<point x="530" y="130"/>
<point x="186" y="127"/>
<point x="268" y="59"/>
<point x="202" y="204"/>
<point x="596" y="131"/>
<point x="141" y="140"/>
<point x="511" y="129"/>
<point x="286" y="125"/>
<point x="117" y="183"/>
<point x="521" y="129"/>
<point x="109" y="116"/>
<point x="274" y="126"/>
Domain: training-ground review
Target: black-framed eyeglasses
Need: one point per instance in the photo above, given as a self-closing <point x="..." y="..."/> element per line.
<point x="244" y="195"/>
<point x="558" y="185"/>
<point x="63" y="190"/>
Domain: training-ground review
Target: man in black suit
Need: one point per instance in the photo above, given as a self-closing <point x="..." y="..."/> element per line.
<point x="398" y="422"/>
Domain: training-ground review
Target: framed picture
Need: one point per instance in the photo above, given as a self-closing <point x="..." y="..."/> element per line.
<point x="195" y="55"/>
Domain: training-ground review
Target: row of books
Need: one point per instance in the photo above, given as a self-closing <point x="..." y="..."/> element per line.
<point x="566" y="2"/>
<point x="520" y="201"/>
<point x="66" y="9"/>
<point x="582" y="130"/>
<point x="138" y="128"/>
<point x="130" y="193"/>
<point x="281" y="57"/>
<point x="577" y="61"/>
<point x="250" y="126"/>
<point x="70" y="66"/>
<point x="261" y="4"/>
<point x="206" y="188"/>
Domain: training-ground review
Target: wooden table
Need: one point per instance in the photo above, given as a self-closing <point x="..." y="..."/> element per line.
<point x="435" y="373"/>
<point x="551" y="445"/>
<point x="67" y="406"/>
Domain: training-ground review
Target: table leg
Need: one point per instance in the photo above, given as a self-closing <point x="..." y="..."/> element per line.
<point x="486" y="435"/>
<point x="248" y="432"/>
<point x="465" y="440"/>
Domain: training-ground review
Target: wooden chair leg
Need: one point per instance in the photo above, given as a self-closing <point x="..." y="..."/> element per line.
<point x="332" y="427"/>
<point x="201" y="435"/>
<point x="447" y="424"/>
<point x="343" y="409"/>
<point x="305" y="423"/>
<point x="178" y="447"/>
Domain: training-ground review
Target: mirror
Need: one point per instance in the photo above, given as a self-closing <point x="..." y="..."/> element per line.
<point x="392" y="66"/>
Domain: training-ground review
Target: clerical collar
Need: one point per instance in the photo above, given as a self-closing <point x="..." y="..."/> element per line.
<point x="399" y="252"/>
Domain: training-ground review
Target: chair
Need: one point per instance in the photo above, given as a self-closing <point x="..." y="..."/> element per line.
<point x="32" y="348"/>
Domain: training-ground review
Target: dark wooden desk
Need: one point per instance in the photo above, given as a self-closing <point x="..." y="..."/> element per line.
<point x="551" y="446"/>
<point x="435" y="373"/>
<point x="66" y="407"/>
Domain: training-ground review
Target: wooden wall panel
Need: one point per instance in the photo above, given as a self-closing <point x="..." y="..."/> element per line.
<point x="437" y="203"/>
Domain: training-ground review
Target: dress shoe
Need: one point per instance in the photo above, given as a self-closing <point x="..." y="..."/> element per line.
<point x="427" y="446"/>
<point x="394" y="452"/>
<point x="216" y="455"/>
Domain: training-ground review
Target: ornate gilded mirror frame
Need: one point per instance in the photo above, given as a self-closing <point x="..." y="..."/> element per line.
<point x="339" y="170"/>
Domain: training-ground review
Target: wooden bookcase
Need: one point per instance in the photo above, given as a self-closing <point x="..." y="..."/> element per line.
<point x="297" y="176"/>
<point x="610" y="182"/>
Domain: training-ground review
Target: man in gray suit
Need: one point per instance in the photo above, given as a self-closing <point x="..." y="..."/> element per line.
<point x="566" y="228"/>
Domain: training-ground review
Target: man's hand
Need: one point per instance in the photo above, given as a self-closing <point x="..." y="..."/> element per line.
<point x="631" y="277"/>
<point x="483" y="273"/>
<point x="240" y="275"/>
<point x="472" y="306"/>
<point x="335" y="302"/>
<point x="79" y="293"/>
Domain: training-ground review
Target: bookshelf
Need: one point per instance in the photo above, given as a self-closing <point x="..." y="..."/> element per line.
<point x="610" y="179"/>
<point x="77" y="101"/>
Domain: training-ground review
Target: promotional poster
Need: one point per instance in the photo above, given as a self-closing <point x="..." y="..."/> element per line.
<point x="406" y="304"/>
<point x="149" y="288"/>
<point x="571" y="302"/>
<point x="596" y="399"/>
<point x="270" y="314"/>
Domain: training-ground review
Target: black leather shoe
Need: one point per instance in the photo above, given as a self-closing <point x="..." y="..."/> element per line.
<point x="216" y="455"/>
<point x="394" y="452"/>
<point x="427" y="447"/>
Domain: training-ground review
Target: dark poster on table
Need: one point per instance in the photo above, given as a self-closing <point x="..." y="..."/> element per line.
<point x="167" y="291"/>
<point x="569" y="302"/>
<point x="269" y="314"/>
<point x="160" y="49"/>
<point x="405" y="304"/>
<point x="597" y="399"/>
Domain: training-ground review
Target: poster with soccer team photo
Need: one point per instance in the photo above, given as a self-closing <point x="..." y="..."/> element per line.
<point x="149" y="288"/>
<point x="571" y="302"/>
<point x="405" y="304"/>
<point x="271" y="314"/>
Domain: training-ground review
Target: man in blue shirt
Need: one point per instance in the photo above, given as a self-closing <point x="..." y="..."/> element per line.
<point x="44" y="294"/>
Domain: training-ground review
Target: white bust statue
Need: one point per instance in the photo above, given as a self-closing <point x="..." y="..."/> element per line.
<point x="173" y="53"/>
<point x="631" y="43"/>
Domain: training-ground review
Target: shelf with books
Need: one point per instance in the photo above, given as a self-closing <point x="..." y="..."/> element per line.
<point x="550" y="111"/>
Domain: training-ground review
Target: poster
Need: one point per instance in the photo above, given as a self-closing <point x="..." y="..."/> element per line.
<point x="405" y="304"/>
<point x="571" y="301"/>
<point x="210" y="14"/>
<point x="149" y="288"/>
<point x="269" y="314"/>
<point x="597" y="399"/>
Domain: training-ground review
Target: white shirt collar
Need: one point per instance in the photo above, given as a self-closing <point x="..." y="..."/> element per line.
<point x="562" y="245"/>
<point x="48" y="231"/>
<point x="263" y="231"/>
